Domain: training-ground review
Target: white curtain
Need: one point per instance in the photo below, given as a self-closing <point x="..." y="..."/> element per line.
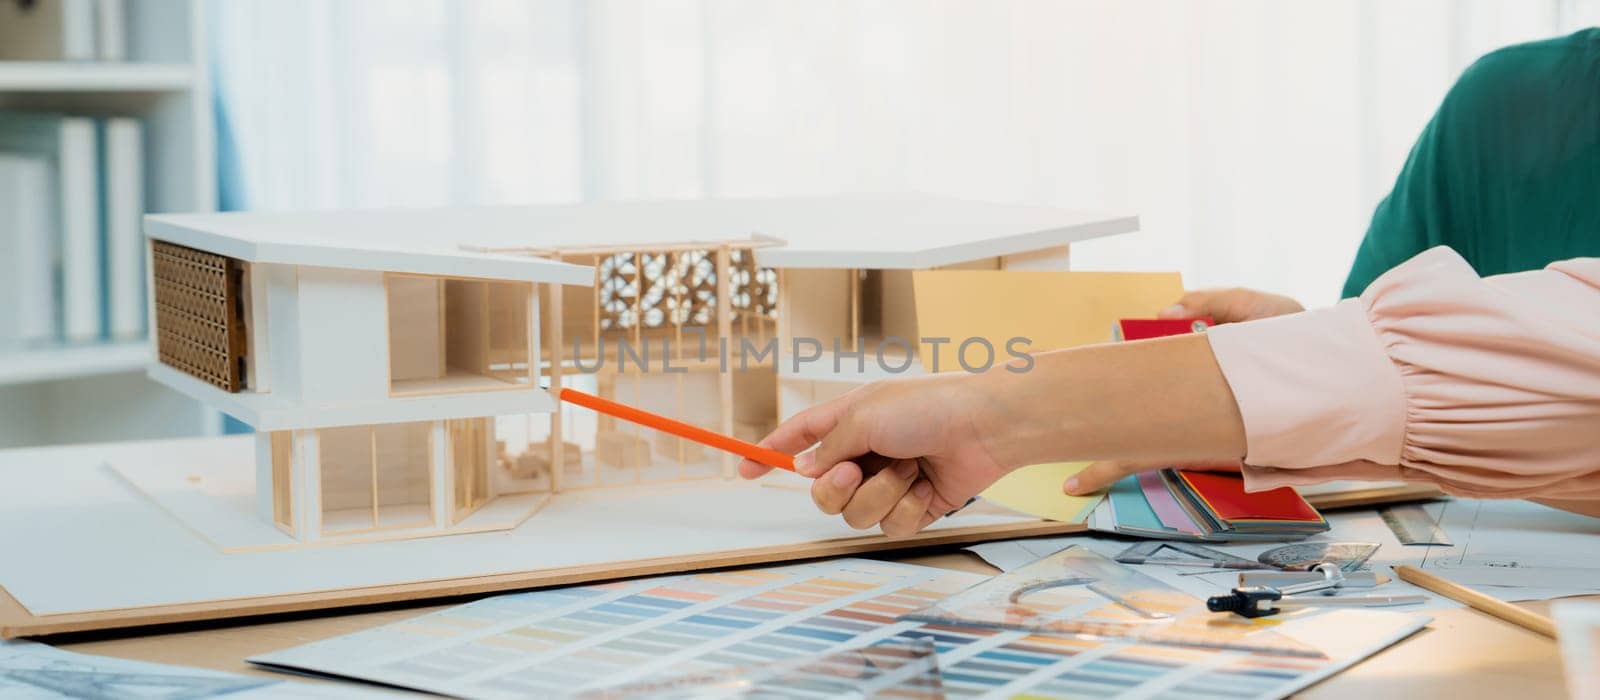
<point x="1253" y="137"/>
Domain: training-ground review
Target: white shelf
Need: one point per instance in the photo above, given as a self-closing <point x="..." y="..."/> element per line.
<point x="91" y="76"/>
<point x="30" y="366"/>
<point x="99" y="393"/>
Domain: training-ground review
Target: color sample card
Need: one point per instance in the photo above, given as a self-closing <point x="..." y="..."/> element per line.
<point x="1165" y="505"/>
<point x="1036" y="490"/>
<point x="570" y="640"/>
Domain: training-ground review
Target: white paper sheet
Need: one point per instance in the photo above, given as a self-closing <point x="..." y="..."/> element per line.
<point x="1517" y="543"/>
<point x="33" y="671"/>
<point x="79" y="538"/>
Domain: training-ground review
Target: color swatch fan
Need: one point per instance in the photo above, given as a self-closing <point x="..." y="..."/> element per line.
<point x="1204" y="507"/>
<point x="1221" y="501"/>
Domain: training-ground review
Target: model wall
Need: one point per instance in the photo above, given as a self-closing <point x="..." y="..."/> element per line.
<point x="275" y="329"/>
<point x="344" y="335"/>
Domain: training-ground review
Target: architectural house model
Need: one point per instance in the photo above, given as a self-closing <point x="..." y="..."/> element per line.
<point x="398" y="365"/>
<point x="373" y="382"/>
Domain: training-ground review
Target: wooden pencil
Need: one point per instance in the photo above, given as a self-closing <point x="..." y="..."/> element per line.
<point x="757" y="453"/>
<point x="1516" y="615"/>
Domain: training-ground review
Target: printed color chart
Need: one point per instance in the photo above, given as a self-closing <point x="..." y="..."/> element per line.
<point x="568" y="640"/>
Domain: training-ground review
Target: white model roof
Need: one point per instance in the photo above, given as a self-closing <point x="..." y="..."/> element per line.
<point x="420" y="241"/>
<point x="861" y="231"/>
<point x="909" y="232"/>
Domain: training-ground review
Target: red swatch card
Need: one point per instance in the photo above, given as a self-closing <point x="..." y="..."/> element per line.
<point x="1142" y="328"/>
<point x="1225" y="496"/>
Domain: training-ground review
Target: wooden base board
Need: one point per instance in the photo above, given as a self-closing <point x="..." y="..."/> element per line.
<point x="16" y="621"/>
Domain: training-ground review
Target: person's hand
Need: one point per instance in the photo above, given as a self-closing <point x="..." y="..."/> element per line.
<point x="1101" y="475"/>
<point x="898" y="454"/>
<point x="1232" y="305"/>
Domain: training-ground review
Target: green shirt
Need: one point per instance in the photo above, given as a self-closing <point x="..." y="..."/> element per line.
<point x="1507" y="172"/>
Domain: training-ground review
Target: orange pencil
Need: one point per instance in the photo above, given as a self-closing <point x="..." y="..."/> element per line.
<point x="769" y="457"/>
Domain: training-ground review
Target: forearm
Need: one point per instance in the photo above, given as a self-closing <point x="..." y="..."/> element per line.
<point x="1150" y="400"/>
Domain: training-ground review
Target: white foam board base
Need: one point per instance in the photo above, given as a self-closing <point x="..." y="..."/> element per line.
<point x="79" y="538"/>
<point x="216" y="501"/>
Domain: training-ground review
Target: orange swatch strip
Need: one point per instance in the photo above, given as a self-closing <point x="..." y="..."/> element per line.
<point x="757" y="453"/>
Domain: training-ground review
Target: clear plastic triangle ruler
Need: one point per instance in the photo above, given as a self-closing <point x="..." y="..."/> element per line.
<point x="1076" y="592"/>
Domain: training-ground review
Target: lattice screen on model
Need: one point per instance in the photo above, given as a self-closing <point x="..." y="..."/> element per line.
<point x="680" y="288"/>
<point x="198" y="316"/>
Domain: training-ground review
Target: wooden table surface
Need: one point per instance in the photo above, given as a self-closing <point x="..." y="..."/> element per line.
<point x="1461" y="655"/>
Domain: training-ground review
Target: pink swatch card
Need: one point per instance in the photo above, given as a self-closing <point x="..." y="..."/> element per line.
<point x="1165" y="504"/>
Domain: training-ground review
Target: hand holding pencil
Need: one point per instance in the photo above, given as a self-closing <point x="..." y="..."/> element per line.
<point x="865" y="486"/>
<point x="897" y="454"/>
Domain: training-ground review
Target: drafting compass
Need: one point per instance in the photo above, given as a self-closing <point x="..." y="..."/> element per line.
<point x="1261" y="601"/>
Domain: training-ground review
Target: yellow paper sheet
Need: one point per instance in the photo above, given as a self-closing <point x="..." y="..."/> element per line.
<point x="1036" y="490"/>
<point x="1053" y="310"/>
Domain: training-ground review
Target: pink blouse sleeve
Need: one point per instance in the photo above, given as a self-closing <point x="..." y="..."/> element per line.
<point x="1489" y="387"/>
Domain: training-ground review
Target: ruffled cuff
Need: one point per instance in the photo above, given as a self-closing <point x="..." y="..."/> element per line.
<point x="1314" y="388"/>
<point x="1486" y="387"/>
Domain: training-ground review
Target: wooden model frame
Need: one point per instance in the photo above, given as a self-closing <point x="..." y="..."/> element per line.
<point x="857" y="307"/>
<point x="705" y="295"/>
<point x="363" y="480"/>
<point x="861" y="309"/>
<point x="452" y="335"/>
